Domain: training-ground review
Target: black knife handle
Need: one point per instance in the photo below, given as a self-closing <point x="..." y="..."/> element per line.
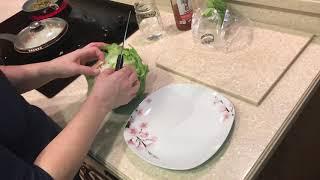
<point x="119" y="64"/>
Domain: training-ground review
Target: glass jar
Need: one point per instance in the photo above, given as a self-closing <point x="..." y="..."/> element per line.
<point x="148" y="18"/>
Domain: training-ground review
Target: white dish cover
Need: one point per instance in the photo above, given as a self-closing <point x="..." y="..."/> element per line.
<point x="180" y="126"/>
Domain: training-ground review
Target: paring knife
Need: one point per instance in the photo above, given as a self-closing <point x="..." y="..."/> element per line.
<point x="119" y="64"/>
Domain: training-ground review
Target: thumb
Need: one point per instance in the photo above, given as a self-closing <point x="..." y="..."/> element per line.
<point x="107" y="71"/>
<point x="89" y="71"/>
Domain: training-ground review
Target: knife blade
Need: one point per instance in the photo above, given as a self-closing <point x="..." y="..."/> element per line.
<point x="119" y="64"/>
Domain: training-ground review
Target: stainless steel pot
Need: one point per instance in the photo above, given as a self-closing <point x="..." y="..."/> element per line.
<point x="38" y="35"/>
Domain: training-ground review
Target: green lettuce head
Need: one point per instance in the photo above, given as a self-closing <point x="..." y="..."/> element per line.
<point x="130" y="57"/>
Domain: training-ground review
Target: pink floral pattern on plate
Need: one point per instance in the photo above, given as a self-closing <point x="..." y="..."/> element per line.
<point x="227" y="110"/>
<point x="139" y="136"/>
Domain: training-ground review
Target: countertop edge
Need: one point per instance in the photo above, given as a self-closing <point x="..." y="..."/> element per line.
<point x="280" y="134"/>
<point x="108" y="166"/>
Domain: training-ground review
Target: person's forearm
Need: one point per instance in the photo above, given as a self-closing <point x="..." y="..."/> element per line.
<point x="28" y="77"/>
<point x="64" y="155"/>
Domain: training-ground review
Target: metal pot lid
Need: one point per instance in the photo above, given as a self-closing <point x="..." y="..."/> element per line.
<point x="40" y="34"/>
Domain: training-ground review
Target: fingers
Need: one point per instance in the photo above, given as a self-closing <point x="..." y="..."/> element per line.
<point x="107" y="72"/>
<point x="134" y="84"/>
<point x="133" y="78"/>
<point x="89" y="71"/>
<point x="99" y="54"/>
<point x="129" y="75"/>
<point x="96" y="53"/>
<point x="98" y="64"/>
<point x="134" y="89"/>
<point x="90" y="54"/>
<point x="96" y="44"/>
<point x="125" y="72"/>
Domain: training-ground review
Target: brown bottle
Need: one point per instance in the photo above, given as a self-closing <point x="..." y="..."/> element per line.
<point x="182" y="10"/>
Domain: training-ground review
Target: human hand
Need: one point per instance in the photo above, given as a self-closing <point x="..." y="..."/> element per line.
<point x="113" y="89"/>
<point x="74" y="63"/>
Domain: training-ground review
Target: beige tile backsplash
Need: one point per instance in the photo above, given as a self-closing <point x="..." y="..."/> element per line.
<point x="310" y="6"/>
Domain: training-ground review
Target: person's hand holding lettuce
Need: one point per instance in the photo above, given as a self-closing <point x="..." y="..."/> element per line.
<point x="130" y="57"/>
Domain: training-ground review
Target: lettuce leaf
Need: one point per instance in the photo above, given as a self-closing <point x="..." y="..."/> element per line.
<point x="219" y="5"/>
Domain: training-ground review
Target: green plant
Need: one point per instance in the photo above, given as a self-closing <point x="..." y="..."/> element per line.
<point x="219" y="5"/>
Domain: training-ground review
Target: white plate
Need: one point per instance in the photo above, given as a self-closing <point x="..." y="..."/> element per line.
<point x="179" y="126"/>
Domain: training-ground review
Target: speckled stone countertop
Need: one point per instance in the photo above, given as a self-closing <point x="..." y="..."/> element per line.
<point x="230" y="69"/>
<point x="8" y="9"/>
<point x="256" y="131"/>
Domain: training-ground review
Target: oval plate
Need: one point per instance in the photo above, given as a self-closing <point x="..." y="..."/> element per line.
<point x="180" y="126"/>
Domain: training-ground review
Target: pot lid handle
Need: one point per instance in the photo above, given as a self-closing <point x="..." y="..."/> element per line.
<point x="35" y="26"/>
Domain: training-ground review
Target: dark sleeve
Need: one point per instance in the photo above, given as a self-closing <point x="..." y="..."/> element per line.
<point x="11" y="167"/>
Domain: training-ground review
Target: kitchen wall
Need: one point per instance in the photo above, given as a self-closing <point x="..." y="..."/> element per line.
<point x="311" y="6"/>
<point x="302" y="15"/>
<point x="296" y="14"/>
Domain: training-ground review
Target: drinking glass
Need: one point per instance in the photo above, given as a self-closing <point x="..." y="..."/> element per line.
<point x="149" y="20"/>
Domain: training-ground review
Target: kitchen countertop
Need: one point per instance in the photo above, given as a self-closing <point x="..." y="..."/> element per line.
<point x="257" y="129"/>
<point x="10" y="8"/>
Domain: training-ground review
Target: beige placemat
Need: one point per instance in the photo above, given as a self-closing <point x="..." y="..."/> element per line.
<point x="249" y="73"/>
